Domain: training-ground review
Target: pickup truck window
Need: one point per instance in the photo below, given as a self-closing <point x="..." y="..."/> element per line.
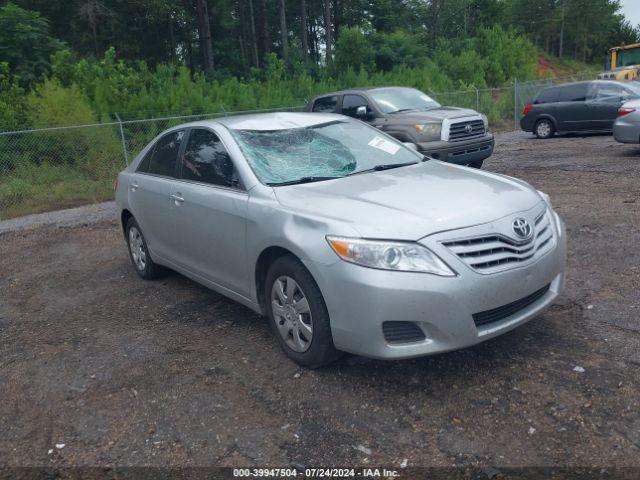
<point x="325" y="104"/>
<point x="350" y="104"/>
<point x="400" y="99"/>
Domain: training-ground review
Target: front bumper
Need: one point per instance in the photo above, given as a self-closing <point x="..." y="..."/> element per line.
<point x="627" y="130"/>
<point x="460" y="153"/>
<point x="361" y="299"/>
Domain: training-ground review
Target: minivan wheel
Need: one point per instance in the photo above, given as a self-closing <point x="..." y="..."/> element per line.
<point x="544" y="128"/>
<point x="139" y="253"/>
<point x="297" y="314"/>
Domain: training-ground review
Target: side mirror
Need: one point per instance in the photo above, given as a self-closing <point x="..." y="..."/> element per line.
<point x="362" y="112"/>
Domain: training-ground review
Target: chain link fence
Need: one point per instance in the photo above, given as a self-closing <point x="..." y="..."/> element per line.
<point x="52" y="168"/>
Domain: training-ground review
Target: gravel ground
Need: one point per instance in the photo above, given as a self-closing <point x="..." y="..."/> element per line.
<point x="72" y="217"/>
<point x="126" y="372"/>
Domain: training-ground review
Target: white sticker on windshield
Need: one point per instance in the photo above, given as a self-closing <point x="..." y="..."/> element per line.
<point x="384" y="145"/>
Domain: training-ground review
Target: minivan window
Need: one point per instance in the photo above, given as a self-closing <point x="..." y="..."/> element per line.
<point x="576" y="92"/>
<point x="610" y="93"/>
<point x="350" y="104"/>
<point x="548" y="95"/>
<point x="164" y="157"/>
<point x="206" y="160"/>
<point x="325" y="104"/>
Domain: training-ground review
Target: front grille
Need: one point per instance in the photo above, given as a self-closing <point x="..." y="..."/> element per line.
<point x="493" y="253"/>
<point x="500" y="313"/>
<point x="460" y="131"/>
<point x="402" y="332"/>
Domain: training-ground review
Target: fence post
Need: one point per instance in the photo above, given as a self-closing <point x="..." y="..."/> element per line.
<point x="477" y="98"/>
<point x="223" y="110"/>
<point x="515" y="103"/>
<point x="124" y="143"/>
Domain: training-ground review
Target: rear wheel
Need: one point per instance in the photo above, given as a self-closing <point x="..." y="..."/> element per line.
<point x="139" y="253"/>
<point x="544" y="129"/>
<point x="298" y="314"/>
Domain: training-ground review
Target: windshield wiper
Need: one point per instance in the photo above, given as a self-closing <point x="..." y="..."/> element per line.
<point x="386" y="166"/>
<point x="300" y="180"/>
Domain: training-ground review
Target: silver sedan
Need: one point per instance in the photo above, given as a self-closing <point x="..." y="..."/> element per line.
<point x="346" y="239"/>
<point x="626" y="128"/>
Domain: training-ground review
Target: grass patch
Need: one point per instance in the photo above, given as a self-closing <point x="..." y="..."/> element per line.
<point x="40" y="188"/>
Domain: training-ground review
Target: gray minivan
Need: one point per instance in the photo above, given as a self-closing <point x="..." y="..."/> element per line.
<point x="577" y="107"/>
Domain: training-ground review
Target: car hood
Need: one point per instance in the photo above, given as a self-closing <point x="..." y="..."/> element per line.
<point x="409" y="203"/>
<point x="436" y="114"/>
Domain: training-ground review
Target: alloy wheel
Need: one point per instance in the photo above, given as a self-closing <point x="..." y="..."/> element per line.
<point x="291" y="313"/>
<point x="543" y="129"/>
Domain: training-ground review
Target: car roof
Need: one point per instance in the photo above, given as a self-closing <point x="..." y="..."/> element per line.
<point x="269" y="121"/>
<point x="600" y="82"/>
<point x="358" y="90"/>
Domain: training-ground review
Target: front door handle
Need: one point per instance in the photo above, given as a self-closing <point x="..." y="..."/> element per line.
<point x="177" y="198"/>
<point x="134" y="186"/>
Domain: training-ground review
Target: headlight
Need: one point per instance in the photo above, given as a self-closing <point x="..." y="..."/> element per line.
<point x="429" y="132"/>
<point x="485" y="120"/>
<point x="398" y="256"/>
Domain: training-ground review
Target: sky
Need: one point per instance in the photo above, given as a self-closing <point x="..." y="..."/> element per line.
<point x="631" y="10"/>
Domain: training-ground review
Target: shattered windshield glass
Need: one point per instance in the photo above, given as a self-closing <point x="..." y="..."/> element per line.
<point x="319" y="152"/>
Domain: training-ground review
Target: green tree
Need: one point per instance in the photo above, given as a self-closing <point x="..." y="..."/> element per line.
<point x="353" y="50"/>
<point x="25" y="43"/>
<point x="13" y="105"/>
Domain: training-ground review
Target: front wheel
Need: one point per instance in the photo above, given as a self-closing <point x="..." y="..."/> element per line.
<point x="544" y="129"/>
<point x="298" y="315"/>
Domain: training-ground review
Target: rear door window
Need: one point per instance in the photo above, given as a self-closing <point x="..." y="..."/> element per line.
<point x="574" y="93"/>
<point x="325" y="104"/>
<point x="548" y="95"/>
<point x="162" y="158"/>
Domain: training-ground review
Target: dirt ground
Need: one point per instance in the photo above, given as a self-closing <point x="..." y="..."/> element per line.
<point x="126" y="372"/>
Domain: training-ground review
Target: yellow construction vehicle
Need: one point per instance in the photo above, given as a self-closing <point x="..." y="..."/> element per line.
<point x="623" y="63"/>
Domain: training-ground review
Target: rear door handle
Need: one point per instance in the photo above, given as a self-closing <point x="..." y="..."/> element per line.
<point x="177" y="198"/>
<point x="134" y="186"/>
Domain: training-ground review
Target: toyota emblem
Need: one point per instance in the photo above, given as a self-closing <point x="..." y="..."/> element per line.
<point x="522" y="228"/>
<point x="468" y="128"/>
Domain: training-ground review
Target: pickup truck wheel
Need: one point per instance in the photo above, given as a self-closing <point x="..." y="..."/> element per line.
<point x="544" y="129"/>
<point x="476" y="164"/>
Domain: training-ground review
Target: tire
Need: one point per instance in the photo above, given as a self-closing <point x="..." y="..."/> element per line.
<point x="544" y="129"/>
<point x="302" y="328"/>
<point x="476" y="164"/>
<point x="139" y="253"/>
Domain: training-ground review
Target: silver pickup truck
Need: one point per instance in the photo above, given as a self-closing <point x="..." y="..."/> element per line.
<point x="450" y="134"/>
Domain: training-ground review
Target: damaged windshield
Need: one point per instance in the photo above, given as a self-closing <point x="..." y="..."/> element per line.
<point x="320" y="152"/>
